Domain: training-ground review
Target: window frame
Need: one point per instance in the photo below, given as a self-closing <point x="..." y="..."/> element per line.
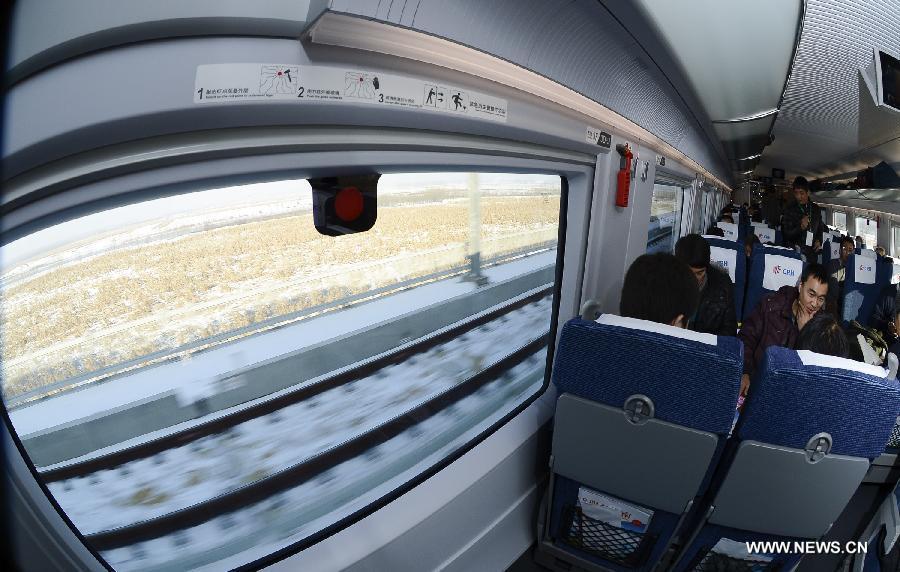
<point x="576" y="173"/>
<point x="895" y="243"/>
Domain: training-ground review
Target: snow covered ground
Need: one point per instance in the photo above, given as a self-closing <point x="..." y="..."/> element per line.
<point x="261" y="447"/>
<point x="193" y="377"/>
<point x="231" y="540"/>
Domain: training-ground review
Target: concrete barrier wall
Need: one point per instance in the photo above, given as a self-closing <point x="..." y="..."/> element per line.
<point x="57" y="444"/>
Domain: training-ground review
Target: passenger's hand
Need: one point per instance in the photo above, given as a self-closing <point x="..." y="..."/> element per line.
<point x="803" y="317"/>
<point x="804" y="222"/>
<point x="745" y="383"/>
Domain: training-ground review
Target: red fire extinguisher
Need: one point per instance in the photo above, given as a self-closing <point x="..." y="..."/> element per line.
<point x="623" y="178"/>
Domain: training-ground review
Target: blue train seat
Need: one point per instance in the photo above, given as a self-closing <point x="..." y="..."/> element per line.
<point x="766" y="234"/>
<point x="798" y="454"/>
<point x="771" y="267"/>
<point x="731" y="230"/>
<point x="831" y="249"/>
<point x="865" y="278"/>
<point x="632" y="435"/>
<point x="729" y="256"/>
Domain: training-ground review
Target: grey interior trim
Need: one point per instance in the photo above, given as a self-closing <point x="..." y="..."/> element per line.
<point x="201" y="145"/>
<point x="36" y="525"/>
<point x="753" y="117"/>
<point x="656" y="464"/>
<point x="148" y="31"/>
<point x="178" y="164"/>
<point x="787" y="80"/>
<point x="776" y="490"/>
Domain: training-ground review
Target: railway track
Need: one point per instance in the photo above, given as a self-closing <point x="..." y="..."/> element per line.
<point x="117" y="466"/>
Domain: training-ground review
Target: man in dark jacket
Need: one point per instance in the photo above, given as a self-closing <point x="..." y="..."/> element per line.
<point x="715" y="314"/>
<point x="779" y="317"/>
<point x="885" y="313"/>
<point x="800" y="217"/>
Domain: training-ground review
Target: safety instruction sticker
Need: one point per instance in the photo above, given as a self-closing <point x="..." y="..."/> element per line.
<point x="781" y="271"/>
<point x="835" y="250"/>
<point x="730" y="229"/>
<point x="864" y="269"/>
<point x="222" y="83"/>
<point x="724" y="258"/>
<point x="613" y="511"/>
<point x="596" y="136"/>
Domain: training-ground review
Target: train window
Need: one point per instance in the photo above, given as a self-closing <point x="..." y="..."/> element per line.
<point x="895" y="241"/>
<point x="839" y="220"/>
<point x="665" y="218"/>
<point x="204" y="379"/>
<point x="868" y="230"/>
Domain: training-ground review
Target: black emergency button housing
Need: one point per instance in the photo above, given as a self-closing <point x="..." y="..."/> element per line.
<point x="344" y="204"/>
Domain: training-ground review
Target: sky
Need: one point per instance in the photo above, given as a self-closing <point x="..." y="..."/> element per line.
<point x="58" y="236"/>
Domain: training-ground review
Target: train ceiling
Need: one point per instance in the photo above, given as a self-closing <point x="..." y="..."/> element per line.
<point x="737" y="56"/>
<point x="828" y="125"/>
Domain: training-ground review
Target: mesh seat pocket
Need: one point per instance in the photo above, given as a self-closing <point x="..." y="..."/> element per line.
<point x="603" y="540"/>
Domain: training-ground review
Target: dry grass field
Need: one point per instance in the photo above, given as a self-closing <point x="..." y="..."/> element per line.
<point x="128" y="303"/>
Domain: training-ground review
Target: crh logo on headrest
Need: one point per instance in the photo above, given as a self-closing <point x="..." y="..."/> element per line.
<point x="785" y="271"/>
<point x="865" y="267"/>
<point x="722" y="263"/>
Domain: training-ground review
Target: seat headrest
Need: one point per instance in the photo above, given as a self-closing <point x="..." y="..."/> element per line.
<point x="656" y="327"/>
<point x="809" y="358"/>
<point x="798" y="394"/>
<point x="692" y="378"/>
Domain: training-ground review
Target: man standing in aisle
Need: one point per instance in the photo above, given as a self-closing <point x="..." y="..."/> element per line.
<point x="801" y="217"/>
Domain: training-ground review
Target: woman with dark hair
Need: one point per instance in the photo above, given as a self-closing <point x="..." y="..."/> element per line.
<point x="824" y="335"/>
<point x="660" y="288"/>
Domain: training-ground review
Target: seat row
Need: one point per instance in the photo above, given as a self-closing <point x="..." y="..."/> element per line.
<point x="651" y="469"/>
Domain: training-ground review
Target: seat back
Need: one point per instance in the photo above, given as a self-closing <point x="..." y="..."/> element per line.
<point x="799" y="452"/>
<point x="765" y="233"/>
<point x="771" y="267"/>
<point x="865" y="277"/>
<point x="730" y="229"/>
<point x="643" y="413"/>
<point x="729" y="256"/>
<point x="831" y="249"/>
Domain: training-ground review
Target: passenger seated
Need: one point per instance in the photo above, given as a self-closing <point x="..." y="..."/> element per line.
<point x="726" y="218"/>
<point x="880" y="251"/>
<point x="715" y="312"/>
<point x="659" y="288"/>
<point x="860" y="243"/>
<point x="837" y="268"/>
<point x="824" y="335"/>
<point x="779" y="317"/>
<point x="715" y="231"/>
<point x="883" y="316"/>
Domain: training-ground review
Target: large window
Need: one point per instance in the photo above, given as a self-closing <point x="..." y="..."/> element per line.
<point x="868" y="230"/>
<point x="665" y="218"/>
<point x="245" y="381"/>
<point x="839" y="221"/>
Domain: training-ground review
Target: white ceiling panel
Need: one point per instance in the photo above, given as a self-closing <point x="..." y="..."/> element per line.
<point x="735" y="53"/>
